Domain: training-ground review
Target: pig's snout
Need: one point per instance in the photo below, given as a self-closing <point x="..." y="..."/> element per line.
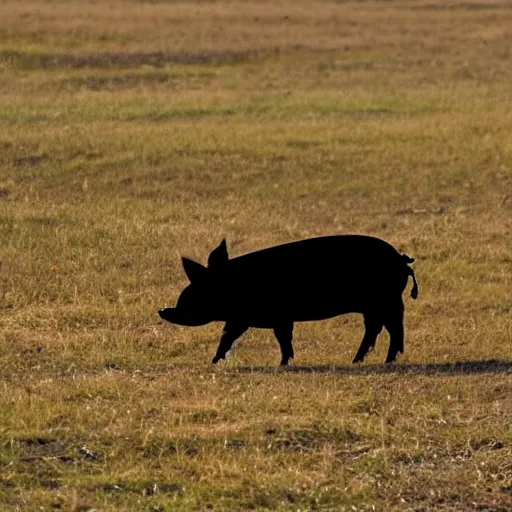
<point x="167" y="314"/>
<point x="177" y="317"/>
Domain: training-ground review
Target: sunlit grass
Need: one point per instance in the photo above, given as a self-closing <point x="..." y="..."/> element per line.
<point x="132" y="133"/>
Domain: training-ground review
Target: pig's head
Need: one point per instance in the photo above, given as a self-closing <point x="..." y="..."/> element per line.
<point x="198" y="303"/>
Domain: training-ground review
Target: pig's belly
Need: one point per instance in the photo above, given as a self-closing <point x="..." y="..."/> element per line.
<point x="268" y="305"/>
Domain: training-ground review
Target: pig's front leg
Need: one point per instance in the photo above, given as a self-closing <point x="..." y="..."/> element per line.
<point x="229" y="335"/>
<point x="284" y="335"/>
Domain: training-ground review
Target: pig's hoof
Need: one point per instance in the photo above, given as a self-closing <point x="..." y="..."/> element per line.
<point x="216" y="359"/>
<point x="360" y="357"/>
<point x="393" y="359"/>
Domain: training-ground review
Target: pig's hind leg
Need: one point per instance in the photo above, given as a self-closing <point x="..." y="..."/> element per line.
<point x="373" y="325"/>
<point x="229" y="336"/>
<point x="394" y="323"/>
<point x="284" y="335"/>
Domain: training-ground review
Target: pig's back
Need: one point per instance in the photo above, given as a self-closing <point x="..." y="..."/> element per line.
<point x="322" y="254"/>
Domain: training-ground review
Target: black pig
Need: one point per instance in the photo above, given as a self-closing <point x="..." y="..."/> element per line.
<point x="306" y="280"/>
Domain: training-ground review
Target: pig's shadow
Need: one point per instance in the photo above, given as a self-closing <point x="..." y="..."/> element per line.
<point x="457" y="368"/>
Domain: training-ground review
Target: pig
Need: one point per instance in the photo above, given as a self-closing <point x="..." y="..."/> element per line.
<point x="305" y="280"/>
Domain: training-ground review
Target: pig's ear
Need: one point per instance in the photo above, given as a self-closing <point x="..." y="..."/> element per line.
<point x="218" y="256"/>
<point x="195" y="271"/>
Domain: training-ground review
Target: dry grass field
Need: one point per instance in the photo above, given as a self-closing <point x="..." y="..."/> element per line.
<point x="134" y="132"/>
